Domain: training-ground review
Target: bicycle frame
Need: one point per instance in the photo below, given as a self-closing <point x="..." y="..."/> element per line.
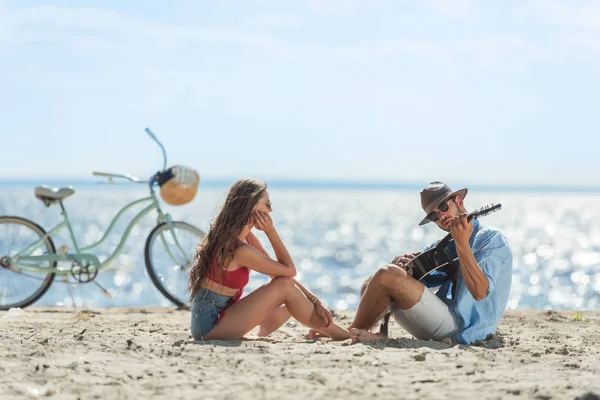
<point x="82" y="256"/>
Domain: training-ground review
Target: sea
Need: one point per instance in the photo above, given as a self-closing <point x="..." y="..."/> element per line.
<point x="338" y="234"/>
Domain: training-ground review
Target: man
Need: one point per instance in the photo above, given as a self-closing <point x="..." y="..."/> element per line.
<point x="469" y="303"/>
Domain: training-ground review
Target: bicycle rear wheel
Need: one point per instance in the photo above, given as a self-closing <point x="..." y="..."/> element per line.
<point x="21" y="287"/>
<point x="168" y="255"/>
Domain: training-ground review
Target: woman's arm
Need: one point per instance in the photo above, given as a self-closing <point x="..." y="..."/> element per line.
<point x="254" y="242"/>
<point x="306" y="292"/>
<point x="264" y="223"/>
<point x="250" y="257"/>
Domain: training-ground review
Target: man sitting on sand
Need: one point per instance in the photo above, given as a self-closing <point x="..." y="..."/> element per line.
<point x="469" y="303"/>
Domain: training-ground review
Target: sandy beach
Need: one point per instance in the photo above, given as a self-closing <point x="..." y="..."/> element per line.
<point x="127" y="353"/>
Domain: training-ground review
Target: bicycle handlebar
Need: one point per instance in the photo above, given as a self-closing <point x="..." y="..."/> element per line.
<point x="153" y="136"/>
<point x="132" y="178"/>
<point x="126" y="176"/>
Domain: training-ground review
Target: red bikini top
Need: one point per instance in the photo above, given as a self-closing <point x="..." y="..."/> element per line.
<point x="236" y="279"/>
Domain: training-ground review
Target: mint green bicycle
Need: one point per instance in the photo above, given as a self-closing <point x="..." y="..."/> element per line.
<point x="29" y="261"/>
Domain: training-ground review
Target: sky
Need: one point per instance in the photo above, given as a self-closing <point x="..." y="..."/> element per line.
<point x="341" y="90"/>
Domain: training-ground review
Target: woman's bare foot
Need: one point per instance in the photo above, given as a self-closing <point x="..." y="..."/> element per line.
<point x="359" y="335"/>
<point x="334" y="332"/>
<point x="258" y="339"/>
<point x="314" y="334"/>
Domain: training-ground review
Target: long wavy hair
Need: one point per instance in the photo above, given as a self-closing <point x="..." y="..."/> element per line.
<point x="221" y="240"/>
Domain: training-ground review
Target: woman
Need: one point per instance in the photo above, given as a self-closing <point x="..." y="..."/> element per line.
<point x="221" y="271"/>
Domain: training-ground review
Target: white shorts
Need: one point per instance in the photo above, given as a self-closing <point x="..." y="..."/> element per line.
<point x="430" y="318"/>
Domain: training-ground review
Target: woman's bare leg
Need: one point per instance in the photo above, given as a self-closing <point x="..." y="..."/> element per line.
<point x="249" y="311"/>
<point x="279" y="315"/>
<point x="334" y="332"/>
<point x="274" y="320"/>
<point x="315" y="334"/>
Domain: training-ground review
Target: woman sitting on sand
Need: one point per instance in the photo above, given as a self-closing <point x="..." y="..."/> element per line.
<point x="221" y="271"/>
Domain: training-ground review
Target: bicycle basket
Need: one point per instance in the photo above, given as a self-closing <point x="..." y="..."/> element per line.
<point x="181" y="186"/>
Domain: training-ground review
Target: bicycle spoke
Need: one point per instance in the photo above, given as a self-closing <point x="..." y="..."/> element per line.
<point x="20" y="236"/>
<point x="168" y="256"/>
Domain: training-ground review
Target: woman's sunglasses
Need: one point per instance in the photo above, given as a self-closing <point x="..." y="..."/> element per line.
<point x="433" y="216"/>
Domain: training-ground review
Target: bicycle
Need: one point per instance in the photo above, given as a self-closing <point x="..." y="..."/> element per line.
<point x="37" y="259"/>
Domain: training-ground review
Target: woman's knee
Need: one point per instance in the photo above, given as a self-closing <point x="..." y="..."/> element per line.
<point x="283" y="283"/>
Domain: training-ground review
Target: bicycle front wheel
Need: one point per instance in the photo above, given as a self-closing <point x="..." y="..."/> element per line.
<point x="20" y="287"/>
<point x="168" y="255"/>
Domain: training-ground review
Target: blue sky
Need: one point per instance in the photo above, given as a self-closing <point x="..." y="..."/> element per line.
<point x="406" y="90"/>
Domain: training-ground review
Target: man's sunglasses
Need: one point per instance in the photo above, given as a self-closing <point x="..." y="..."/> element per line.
<point x="433" y="216"/>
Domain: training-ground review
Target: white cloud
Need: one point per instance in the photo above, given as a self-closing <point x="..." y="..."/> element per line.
<point x="133" y="42"/>
<point x="451" y="8"/>
<point x="352" y="8"/>
<point x="5" y="24"/>
<point x="373" y="52"/>
<point x="94" y="31"/>
<point x="574" y="25"/>
<point x="88" y="29"/>
<point x="334" y="8"/>
<point x="509" y="52"/>
<point x="588" y="43"/>
<point x="583" y="14"/>
<point x="272" y="20"/>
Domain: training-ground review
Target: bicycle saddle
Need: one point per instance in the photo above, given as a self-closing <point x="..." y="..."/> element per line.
<point x="50" y="195"/>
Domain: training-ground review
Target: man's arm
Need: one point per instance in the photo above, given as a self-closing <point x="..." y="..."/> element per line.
<point x="475" y="279"/>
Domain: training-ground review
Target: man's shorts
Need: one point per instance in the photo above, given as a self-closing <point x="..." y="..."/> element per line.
<point x="430" y="318"/>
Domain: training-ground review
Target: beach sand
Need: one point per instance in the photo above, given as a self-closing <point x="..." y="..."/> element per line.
<point x="148" y="353"/>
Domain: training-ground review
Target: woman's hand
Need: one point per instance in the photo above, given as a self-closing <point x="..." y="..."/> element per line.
<point x="324" y="313"/>
<point x="262" y="221"/>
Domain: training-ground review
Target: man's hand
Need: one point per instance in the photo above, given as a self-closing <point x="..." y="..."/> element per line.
<point x="460" y="229"/>
<point x="404" y="259"/>
<point x="324" y="313"/>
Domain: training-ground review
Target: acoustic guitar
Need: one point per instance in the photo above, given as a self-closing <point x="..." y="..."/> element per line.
<point x="438" y="258"/>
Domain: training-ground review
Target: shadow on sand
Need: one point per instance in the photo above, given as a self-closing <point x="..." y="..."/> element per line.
<point x="490" y="342"/>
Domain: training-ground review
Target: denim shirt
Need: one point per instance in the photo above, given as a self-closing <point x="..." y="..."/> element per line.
<point x="477" y="319"/>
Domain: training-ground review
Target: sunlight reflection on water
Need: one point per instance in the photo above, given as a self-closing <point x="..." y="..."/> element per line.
<point x="339" y="237"/>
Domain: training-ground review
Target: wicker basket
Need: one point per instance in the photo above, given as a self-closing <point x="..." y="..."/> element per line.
<point x="182" y="187"/>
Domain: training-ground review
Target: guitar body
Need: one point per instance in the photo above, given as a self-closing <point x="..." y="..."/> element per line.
<point x="434" y="259"/>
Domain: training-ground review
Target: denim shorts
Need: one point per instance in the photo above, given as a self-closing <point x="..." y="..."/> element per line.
<point x="206" y="307"/>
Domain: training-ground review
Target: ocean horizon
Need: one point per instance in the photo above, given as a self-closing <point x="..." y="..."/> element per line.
<point x="290" y="183"/>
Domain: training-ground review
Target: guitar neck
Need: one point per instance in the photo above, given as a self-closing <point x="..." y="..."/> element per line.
<point x="484" y="211"/>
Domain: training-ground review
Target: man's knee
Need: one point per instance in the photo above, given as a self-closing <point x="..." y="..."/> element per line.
<point x="363" y="289"/>
<point x="390" y="275"/>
